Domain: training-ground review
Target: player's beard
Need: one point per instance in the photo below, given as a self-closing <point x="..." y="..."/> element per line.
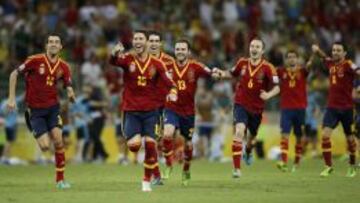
<point x="181" y="58"/>
<point x="154" y="51"/>
<point x="337" y="58"/>
<point x="255" y="56"/>
<point x="53" y="51"/>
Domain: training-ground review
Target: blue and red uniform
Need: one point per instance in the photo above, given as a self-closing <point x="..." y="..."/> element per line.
<point x="140" y="101"/>
<point x="293" y="99"/>
<point x="41" y="95"/>
<point x="248" y="104"/>
<point x="181" y="113"/>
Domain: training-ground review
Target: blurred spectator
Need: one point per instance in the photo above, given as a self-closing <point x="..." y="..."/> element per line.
<point x="206" y="13"/>
<point x="268" y="10"/>
<point x="91" y="71"/>
<point x="230" y="12"/>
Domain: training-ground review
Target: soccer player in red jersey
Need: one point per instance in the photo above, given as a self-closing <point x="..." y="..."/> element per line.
<point x="256" y="76"/>
<point x="342" y="73"/>
<point x="42" y="72"/>
<point x="293" y="102"/>
<point x="155" y="50"/>
<point x="141" y="75"/>
<point x="181" y="114"/>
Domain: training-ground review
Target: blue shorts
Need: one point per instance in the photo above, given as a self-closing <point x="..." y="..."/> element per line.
<point x="43" y="120"/>
<point x="184" y="123"/>
<point x="332" y="117"/>
<point x="66" y="131"/>
<point x="205" y="130"/>
<point x="292" y="118"/>
<point x="252" y="121"/>
<point x="140" y="122"/>
<point x="82" y="132"/>
<point x="10" y="133"/>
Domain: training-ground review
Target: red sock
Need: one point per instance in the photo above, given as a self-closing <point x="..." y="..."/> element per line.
<point x="326" y="147"/>
<point x="352" y="151"/>
<point x="150" y="161"/>
<point x="188" y="156"/>
<point x="156" y="171"/>
<point x="237" y="150"/>
<point x="168" y="150"/>
<point x="284" y="146"/>
<point x="60" y="163"/>
<point x="298" y="152"/>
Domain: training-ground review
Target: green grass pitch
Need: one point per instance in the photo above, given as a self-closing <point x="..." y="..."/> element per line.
<point x="211" y="182"/>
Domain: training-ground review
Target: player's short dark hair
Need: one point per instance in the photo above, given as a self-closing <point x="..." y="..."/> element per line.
<point x="52" y="35"/>
<point x="156" y="33"/>
<point x="261" y="40"/>
<point x="145" y="32"/>
<point x="291" y="51"/>
<point x="341" y="44"/>
<point x="184" y="40"/>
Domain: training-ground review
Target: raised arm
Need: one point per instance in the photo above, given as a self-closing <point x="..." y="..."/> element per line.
<point x="316" y="50"/>
<point x="310" y="61"/>
<point x="117" y="55"/>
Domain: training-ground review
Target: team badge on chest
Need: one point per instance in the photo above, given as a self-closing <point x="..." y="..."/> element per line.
<point x="42" y="69"/>
<point x="132" y="67"/>
<point x="152" y="71"/>
<point x="260" y="75"/>
<point x="191" y="75"/>
<point x="340" y="72"/>
<point x="243" y="70"/>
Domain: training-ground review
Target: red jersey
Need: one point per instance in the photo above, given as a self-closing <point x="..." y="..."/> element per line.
<point x="41" y="80"/>
<point x="293" y="88"/>
<point x="253" y="79"/>
<point x="162" y="89"/>
<point x="113" y="80"/>
<point x="186" y="79"/>
<point x="341" y="76"/>
<point x="140" y="81"/>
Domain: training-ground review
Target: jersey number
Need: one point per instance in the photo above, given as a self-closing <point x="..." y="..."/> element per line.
<point x="50" y="80"/>
<point x="141" y="81"/>
<point x="333" y="79"/>
<point x="292" y="83"/>
<point x="181" y="85"/>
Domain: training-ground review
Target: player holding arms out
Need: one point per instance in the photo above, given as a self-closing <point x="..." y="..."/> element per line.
<point x="181" y="114"/>
<point x="256" y="76"/>
<point x="141" y="75"/>
<point x="42" y="72"/>
<point x="342" y="73"/>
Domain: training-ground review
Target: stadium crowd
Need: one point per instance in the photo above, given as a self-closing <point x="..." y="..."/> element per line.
<point x="219" y="32"/>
